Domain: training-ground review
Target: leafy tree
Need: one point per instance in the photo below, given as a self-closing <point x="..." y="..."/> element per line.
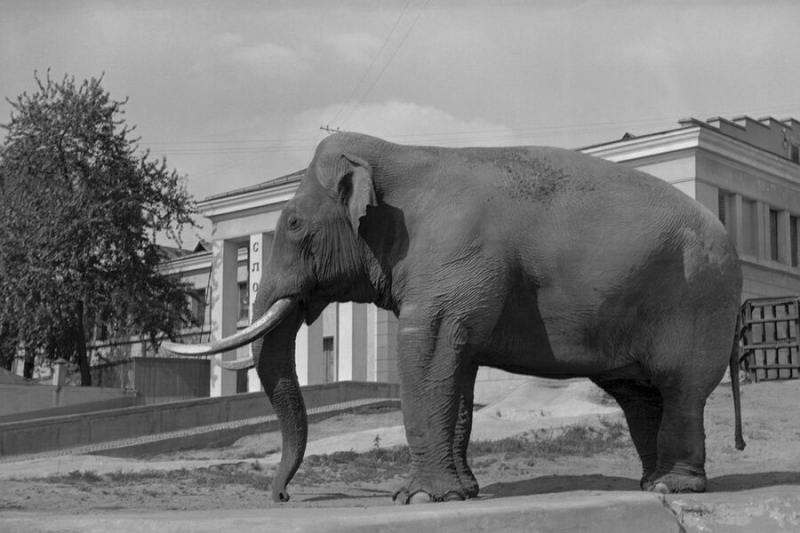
<point x="80" y="209"/>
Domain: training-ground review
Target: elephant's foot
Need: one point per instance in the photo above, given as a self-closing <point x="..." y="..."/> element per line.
<point x="468" y="482"/>
<point x="674" y="483"/>
<point x="430" y="489"/>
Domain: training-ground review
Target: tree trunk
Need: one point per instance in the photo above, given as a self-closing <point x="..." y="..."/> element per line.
<point x="27" y="370"/>
<point x="80" y="348"/>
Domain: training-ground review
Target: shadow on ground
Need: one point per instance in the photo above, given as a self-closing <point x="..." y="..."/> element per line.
<point x="760" y="480"/>
<point x="557" y="483"/>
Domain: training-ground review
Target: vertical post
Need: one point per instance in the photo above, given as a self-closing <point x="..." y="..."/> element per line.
<point x="736" y="222"/>
<point x="372" y="351"/>
<point x="224" y="311"/>
<point x="309" y="363"/>
<point x="386" y="347"/>
<point x="784" y="238"/>
<point x="59" y="372"/>
<point x="762" y="220"/>
<point x="352" y="342"/>
<point x="258" y="257"/>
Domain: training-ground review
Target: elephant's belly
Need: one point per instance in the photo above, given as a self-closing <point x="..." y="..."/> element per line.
<point x="553" y="349"/>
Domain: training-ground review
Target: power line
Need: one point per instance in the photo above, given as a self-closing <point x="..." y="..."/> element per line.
<point x="388" y="62"/>
<point x="385" y="42"/>
<point x="266" y="146"/>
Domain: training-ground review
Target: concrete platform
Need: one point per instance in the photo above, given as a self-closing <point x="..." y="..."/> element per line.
<point x="767" y="510"/>
<point x="596" y="512"/>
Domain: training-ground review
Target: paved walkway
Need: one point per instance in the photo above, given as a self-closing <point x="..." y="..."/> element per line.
<point x="769" y="510"/>
<point x="575" y="512"/>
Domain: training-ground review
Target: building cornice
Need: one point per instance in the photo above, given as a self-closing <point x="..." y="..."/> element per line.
<point x="647" y="146"/>
<point x="248" y="200"/>
<point x="201" y="261"/>
<point x="703" y="139"/>
<point x="195" y="262"/>
<point x="767" y="164"/>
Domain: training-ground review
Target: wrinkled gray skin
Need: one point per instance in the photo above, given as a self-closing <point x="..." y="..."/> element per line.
<point x="539" y="261"/>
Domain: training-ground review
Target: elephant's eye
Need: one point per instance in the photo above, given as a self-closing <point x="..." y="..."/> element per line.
<point x="293" y="223"/>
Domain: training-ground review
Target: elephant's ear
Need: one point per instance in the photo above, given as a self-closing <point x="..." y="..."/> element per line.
<point x="355" y="188"/>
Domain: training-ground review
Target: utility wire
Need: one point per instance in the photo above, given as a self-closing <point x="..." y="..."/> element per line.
<point x="366" y="72"/>
<point x="358" y="102"/>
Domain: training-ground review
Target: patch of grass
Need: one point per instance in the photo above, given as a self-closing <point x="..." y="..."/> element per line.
<point x="76" y="476"/>
<point x="583" y="441"/>
<point x="246" y="474"/>
<point x="379" y="463"/>
<point x="257" y="454"/>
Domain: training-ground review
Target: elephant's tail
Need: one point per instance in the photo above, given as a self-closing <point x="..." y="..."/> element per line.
<point x="735" y="386"/>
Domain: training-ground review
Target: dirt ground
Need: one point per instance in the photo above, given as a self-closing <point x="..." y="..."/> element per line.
<point x="772" y="457"/>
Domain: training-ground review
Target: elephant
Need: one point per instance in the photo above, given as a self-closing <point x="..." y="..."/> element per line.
<point x="535" y="260"/>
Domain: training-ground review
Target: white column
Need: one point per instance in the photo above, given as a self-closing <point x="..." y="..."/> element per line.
<point x="386" y="346"/>
<point x="784" y="238"/>
<point x="258" y="257"/>
<point x="762" y="219"/>
<point x="372" y="347"/>
<point x="736" y="222"/>
<point x="352" y="342"/>
<point x="224" y="311"/>
<point x="308" y="354"/>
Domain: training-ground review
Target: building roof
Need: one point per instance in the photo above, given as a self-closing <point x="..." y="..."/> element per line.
<point x="288" y="178"/>
<point x="778" y="137"/>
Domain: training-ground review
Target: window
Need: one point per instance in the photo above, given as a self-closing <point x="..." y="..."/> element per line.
<point x="244" y="301"/>
<point x="749" y="227"/>
<point x="329" y="359"/>
<point x="793" y="238"/>
<point x="773" y="234"/>
<point x="197" y="307"/>
<point x="727" y="213"/>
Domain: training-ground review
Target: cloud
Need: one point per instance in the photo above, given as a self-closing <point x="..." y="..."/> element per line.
<point x="401" y="122"/>
<point x="264" y="60"/>
<point x="355" y="49"/>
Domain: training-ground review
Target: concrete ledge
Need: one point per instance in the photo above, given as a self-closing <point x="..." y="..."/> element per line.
<point x="596" y="512"/>
<point x="220" y="437"/>
<point x="130" y="399"/>
<point x="19" y="401"/>
<point x="56" y="433"/>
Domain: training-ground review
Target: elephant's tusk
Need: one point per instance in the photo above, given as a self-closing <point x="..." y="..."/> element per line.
<point x="262" y="326"/>
<point x="239" y="364"/>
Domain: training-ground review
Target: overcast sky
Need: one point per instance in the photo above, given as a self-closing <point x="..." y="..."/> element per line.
<point x="233" y="92"/>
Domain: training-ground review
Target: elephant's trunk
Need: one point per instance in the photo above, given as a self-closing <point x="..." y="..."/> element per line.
<point x="276" y="369"/>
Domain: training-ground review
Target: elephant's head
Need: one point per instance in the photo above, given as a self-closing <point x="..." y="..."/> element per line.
<point x="317" y="257"/>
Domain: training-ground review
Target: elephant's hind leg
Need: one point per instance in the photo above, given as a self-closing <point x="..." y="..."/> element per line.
<point x="681" y="443"/>
<point x="463" y="430"/>
<point x="643" y="406"/>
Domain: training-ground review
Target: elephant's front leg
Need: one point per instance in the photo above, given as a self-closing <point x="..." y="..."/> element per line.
<point x="430" y="363"/>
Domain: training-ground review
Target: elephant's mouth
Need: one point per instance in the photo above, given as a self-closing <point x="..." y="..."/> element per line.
<point x="276" y="314"/>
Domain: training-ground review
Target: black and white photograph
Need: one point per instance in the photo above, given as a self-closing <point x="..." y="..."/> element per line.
<point x="399" y="265"/>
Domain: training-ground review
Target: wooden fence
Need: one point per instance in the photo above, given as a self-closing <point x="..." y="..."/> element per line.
<point x="770" y="338"/>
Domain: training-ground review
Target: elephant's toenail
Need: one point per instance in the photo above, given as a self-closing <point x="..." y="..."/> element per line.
<point x="420" y="497"/>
